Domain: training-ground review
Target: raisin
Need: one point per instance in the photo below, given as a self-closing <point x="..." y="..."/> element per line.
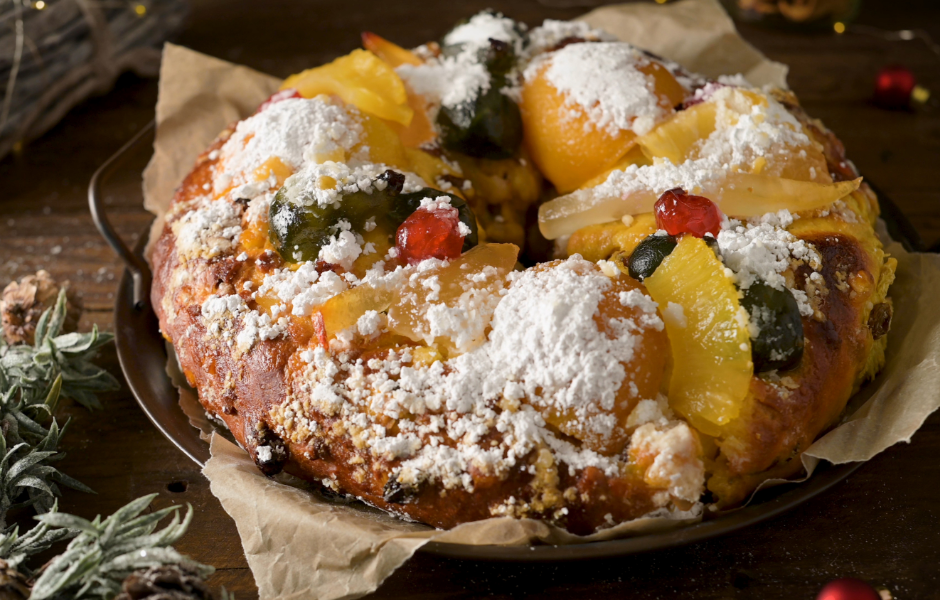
<point x="879" y="321"/>
<point x="398" y="493"/>
<point x="267" y="449"/>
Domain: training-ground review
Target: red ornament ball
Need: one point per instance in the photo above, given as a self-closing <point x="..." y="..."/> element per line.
<point x="279" y="97"/>
<point x="894" y="86"/>
<point x="429" y="233"/>
<point x="678" y="213"/>
<point x="848" y="588"/>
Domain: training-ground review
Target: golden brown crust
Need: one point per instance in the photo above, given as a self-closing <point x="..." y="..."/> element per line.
<point x="783" y="417"/>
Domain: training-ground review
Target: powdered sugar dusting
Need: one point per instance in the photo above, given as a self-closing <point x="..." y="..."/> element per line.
<point x="485" y="26"/>
<point x="551" y="32"/>
<point x="763" y="249"/>
<point x="295" y="131"/>
<point x="603" y="80"/>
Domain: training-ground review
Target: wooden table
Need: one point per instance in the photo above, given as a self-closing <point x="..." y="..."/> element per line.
<point x="882" y="524"/>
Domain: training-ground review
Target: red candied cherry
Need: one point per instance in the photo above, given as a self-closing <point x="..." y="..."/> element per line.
<point x="678" y="213"/>
<point x="429" y="233"/>
<point x="279" y="97"/>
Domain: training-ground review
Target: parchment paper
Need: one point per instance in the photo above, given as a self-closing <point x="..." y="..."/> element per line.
<point x="300" y="544"/>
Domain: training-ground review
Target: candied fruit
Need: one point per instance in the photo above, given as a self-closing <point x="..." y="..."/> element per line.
<point x="649" y="254"/>
<point x="466" y="284"/>
<point x="285" y="94"/>
<point x="430" y="233"/>
<point x="711" y="348"/>
<point x="678" y="213"/>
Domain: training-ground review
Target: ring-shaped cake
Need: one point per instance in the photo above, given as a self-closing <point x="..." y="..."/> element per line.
<point x="524" y="272"/>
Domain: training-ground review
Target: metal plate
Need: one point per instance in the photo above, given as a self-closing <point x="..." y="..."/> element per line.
<point x="142" y="354"/>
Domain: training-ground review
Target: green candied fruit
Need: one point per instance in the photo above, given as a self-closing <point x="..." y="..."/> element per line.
<point x="299" y="232"/>
<point x="648" y="255"/>
<point x="779" y="343"/>
<point x="490" y="124"/>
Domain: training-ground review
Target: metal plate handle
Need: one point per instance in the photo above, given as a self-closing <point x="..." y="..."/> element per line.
<point x="138" y="268"/>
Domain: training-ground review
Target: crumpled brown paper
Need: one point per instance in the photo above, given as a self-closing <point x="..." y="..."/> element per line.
<point x="302" y="545"/>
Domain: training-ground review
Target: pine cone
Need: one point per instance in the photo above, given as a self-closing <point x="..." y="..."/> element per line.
<point x="164" y="583"/>
<point x="24" y="301"/>
<point x="13" y="585"/>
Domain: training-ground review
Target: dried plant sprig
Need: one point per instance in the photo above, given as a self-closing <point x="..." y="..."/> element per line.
<point x="27" y="451"/>
<point x="106" y="551"/>
<point x="15" y="549"/>
<point x="28" y="479"/>
<point x="32" y="368"/>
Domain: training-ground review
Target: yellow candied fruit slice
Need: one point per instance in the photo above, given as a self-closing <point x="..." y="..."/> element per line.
<point x="420" y="130"/>
<point x="386" y="147"/>
<point x="360" y="78"/>
<point x="747" y="195"/>
<point x="477" y="275"/>
<point x="679" y="138"/>
<point x="343" y="310"/>
<point x="273" y="166"/>
<point x="599" y="242"/>
<point x="675" y="139"/>
<point x="634" y="156"/>
<point x="707" y="328"/>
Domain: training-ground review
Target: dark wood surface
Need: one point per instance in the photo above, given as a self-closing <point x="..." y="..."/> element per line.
<point x="882" y="524"/>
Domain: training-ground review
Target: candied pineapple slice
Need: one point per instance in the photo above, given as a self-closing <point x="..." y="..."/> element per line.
<point x="680" y="138"/>
<point x="343" y="310"/>
<point x="676" y="138"/>
<point x="450" y="306"/>
<point x="361" y="79"/>
<point x="711" y="348"/>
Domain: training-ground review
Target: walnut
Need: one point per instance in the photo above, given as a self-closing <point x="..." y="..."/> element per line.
<point x="24" y="301"/>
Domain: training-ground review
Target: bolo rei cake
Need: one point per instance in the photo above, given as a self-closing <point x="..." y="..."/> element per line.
<point x="524" y="272"/>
